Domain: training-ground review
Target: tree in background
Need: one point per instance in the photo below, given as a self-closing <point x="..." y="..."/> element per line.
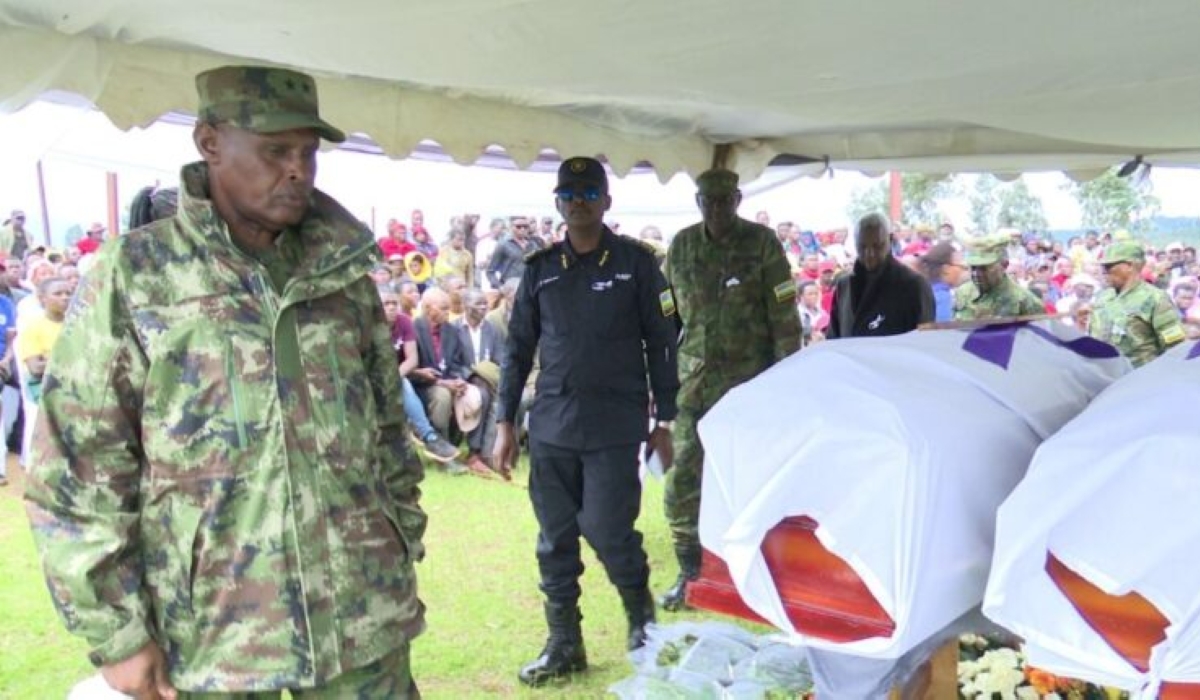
<point x="1110" y="202"/>
<point x="996" y="204"/>
<point x="921" y="194"/>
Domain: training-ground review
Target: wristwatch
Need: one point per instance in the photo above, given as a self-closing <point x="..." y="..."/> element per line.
<point x="667" y="425"/>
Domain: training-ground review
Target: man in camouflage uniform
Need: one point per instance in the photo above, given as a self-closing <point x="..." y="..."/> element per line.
<point x="737" y="302"/>
<point x="221" y="489"/>
<point x="991" y="293"/>
<point x="1135" y="317"/>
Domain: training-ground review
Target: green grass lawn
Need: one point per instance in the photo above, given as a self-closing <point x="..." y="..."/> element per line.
<point x="479" y="581"/>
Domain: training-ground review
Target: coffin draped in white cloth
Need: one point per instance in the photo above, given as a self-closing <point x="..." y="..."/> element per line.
<point x="1114" y="496"/>
<point x="901" y="449"/>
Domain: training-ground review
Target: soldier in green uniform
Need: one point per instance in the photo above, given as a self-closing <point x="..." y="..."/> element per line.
<point x="221" y="487"/>
<point x="737" y="303"/>
<point x="1135" y="317"/>
<point x="991" y="293"/>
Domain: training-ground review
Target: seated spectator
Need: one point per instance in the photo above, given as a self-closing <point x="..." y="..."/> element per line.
<point x="455" y="259"/>
<point x="404" y="340"/>
<point x="381" y="274"/>
<point x="410" y="297"/>
<point x="423" y="244"/>
<point x="396" y="242"/>
<point x="418" y="269"/>
<point x="482" y="348"/>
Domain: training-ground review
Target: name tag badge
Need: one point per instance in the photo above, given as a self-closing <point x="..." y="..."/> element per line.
<point x="732" y="282"/>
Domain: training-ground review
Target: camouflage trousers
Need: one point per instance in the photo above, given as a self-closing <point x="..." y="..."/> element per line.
<point x="389" y="677"/>
<point x="681" y="496"/>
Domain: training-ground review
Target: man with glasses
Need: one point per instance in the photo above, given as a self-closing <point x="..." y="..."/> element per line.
<point x="737" y="302"/>
<point x="509" y="259"/>
<point x="1137" y="318"/>
<point x="991" y="293"/>
<point x="599" y="313"/>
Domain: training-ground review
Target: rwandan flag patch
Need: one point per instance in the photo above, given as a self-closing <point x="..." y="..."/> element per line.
<point x="785" y="291"/>
<point x="667" y="301"/>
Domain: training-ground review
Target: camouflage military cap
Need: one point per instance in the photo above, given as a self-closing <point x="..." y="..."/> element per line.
<point x="1124" y="251"/>
<point x="262" y="100"/>
<point x="579" y="170"/>
<point x="986" y="250"/>
<point x="717" y="181"/>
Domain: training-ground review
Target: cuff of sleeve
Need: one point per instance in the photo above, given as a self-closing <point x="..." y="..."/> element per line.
<point x="124" y="643"/>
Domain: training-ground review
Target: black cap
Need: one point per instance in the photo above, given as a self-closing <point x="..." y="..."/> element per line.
<point x="581" y="171"/>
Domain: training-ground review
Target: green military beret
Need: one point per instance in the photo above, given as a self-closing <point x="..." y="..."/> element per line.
<point x="986" y="250"/>
<point x="262" y="100"/>
<point x="1124" y="251"/>
<point x="717" y="181"/>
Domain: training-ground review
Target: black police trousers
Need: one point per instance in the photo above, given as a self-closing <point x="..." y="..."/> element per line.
<point x="596" y="494"/>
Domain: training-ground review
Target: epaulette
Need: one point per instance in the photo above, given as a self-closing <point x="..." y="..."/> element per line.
<point x="640" y="244"/>
<point x="540" y="253"/>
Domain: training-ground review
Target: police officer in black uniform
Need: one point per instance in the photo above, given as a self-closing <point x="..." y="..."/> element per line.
<point x="601" y="314"/>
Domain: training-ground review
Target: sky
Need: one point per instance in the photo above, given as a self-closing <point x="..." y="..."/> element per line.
<point x="77" y="147"/>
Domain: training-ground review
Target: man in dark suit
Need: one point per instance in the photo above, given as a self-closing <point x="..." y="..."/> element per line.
<point x="482" y="345"/>
<point x="880" y="296"/>
<point x="442" y="366"/>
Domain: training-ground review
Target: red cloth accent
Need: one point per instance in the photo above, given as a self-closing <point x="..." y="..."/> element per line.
<point x="87" y="245"/>
<point x="827" y="298"/>
<point x="391" y="246"/>
<point x="807" y="275"/>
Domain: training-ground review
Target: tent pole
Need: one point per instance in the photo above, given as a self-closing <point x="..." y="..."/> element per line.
<point x="721" y="154"/>
<point x="114" y="215"/>
<point x="41" y="179"/>
<point x="895" y="197"/>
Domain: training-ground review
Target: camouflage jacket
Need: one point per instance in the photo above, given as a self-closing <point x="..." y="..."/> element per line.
<point x="224" y="468"/>
<point x="1007" y="300"/>
<point x="737" y="302"/>
<point x="1141" y="321"/>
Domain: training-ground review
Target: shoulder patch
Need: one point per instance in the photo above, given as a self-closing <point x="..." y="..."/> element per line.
<point x="666" y="301"/>
<point x="1173" y="334"/>
<point x="785" y="291"/>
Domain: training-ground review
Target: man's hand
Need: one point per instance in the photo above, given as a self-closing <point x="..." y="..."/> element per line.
<point x="456" y="386"/>
<point x="504" y="454"/>
<point x="660" y="442"/>
<point x="427" y="375"/>
<point x="143" y="675"/>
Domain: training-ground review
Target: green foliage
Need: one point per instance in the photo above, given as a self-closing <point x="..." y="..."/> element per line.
<point x="479" y="581"/>
<point x="996" y="204"/>
<point x="920" y="198"/>
<point x="1110" y="202"/>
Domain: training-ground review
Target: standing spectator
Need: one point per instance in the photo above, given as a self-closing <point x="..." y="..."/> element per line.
<point x="456" y="260"/>
<point x="499" y="316"/>
<point x="14" y="240"/>
<point x="813" y="319"/>
<point x="231" y="505"/>
<point x="810" y="268"/>
<point x="879" y="296"/>
<point x="91" y="241"/>
<point x="509" y="259"/>
<point x="417" y="220"/>
<point x="10" y="398"/>
<point x="828" y="279"/>
<point x="1137" y="318"/>
<point x="598" y="309"/>
<point x="35" y="342"/>
<point x="991" y="293"/>
<point x="546" y="230"/>
<point x="737" y="302"/>
<point x="943" y="267"/>
<point x="485" y="250"/>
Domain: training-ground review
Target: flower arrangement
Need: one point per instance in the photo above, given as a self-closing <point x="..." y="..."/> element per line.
<point x="990" y="668"/>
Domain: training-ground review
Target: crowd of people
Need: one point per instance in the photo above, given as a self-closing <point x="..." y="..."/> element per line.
<point x="223" y="487"/>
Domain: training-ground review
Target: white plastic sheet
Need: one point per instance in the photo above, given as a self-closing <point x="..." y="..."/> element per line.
<point x="901" y="449"/>
<point x="1114" y="497"/>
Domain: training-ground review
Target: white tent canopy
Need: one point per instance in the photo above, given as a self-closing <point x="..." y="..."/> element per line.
<point x="920" y="85"/>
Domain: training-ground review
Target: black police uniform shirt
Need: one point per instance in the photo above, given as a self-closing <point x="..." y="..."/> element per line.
<point x="602" y="322"/>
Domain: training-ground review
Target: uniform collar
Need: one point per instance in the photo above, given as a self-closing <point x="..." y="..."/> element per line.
<point x="329" y="234"/>
<point x="568" y="258"/>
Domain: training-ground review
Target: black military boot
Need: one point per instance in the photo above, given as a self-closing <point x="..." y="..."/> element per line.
<point x="689" y="570"/>
<point x="564" y="653"/>
<point x="639" y="611"/>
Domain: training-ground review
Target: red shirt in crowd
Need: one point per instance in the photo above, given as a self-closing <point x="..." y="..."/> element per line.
<point x="87" y="245"/>
<point x="391" y="246"/>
